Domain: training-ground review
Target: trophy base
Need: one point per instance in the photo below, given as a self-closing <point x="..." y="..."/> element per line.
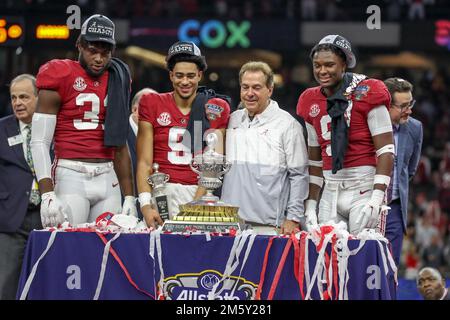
<point x="185" y="226"/>
<point x="208" y="214"/>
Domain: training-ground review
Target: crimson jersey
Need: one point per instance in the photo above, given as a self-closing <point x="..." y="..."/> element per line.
<point x="312" y="107"/>
<point x="80" y="120"/>
<point x="169" y="125"/>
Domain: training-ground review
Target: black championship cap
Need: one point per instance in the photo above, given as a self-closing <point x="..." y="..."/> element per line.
<point x="343" y="44"/>
<point x="183" y="47"/>
<point x="98" y="28"/>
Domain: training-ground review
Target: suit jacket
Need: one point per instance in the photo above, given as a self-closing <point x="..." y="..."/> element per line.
<point x="15" y="178"/>
<point x="410" y="136"/>
<point x="447" y="296"/>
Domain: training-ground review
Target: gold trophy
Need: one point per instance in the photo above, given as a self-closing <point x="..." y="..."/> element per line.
<point x="208" y="213"/>
<point x="158" y="182"/>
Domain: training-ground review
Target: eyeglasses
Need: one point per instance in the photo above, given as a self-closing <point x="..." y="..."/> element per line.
<point x="409" y="105"/>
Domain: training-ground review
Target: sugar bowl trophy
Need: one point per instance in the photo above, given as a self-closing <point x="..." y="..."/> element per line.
<point x="158" y="182"/>
<point x="208" y="213"/>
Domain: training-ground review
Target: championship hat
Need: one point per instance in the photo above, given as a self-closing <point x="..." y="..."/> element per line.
<point x="186" y="49"/>
<point x="341" y="43"/>
<point x="183" y="47"/>
<point x="98" y="28"/>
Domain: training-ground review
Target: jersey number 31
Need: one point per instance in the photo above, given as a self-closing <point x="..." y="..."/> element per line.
<point x="90" y="120"/>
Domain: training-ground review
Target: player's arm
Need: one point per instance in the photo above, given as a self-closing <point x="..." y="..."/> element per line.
<point x="385" y="159"/>
<point x="144" y="153"/>
<point x="122" y="167"/>
<point x="315" y="173"/>
<point x="43" y="124"/>
<point x="315" y="168"/>
<point x="53" y="211"/>
<point x="380" y="127"/>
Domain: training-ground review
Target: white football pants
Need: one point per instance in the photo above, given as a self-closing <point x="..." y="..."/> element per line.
<point x="342" y="200"/>
<point x="89" y="189"/>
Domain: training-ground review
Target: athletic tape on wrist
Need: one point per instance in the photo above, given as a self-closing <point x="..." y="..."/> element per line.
<point x="389" y="148"/>
<point x="316" y="180"/>
<point x="382" y="179"/>
<point x="130" y="198"/>
<point x="145" y="198"/>
<point x="315" y="163"/>
<point x="310" y="203"/>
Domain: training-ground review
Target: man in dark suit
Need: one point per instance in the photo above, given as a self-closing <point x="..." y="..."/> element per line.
<point x="431" y="285"/>
<point x="408" y="136"/>
<point x="19" y="196"/>
<point x="132" y="133"/>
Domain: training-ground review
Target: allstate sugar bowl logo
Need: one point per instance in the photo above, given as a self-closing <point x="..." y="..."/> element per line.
<point x="197" y="286"/>
<point x="209" y="280"/>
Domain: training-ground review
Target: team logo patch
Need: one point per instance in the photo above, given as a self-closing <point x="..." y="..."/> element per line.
<point x="314" y="111"/>
<point x="196" y="286"/>
<point x="164" y="119"/>
<point x="213" y="111"/>
<point x="79" y="84"/>
<point x="361" y="91"/>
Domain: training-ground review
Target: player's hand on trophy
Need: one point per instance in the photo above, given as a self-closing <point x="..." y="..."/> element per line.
<point x="368" y="217"/>
<point x="129" y="206"/>
<point x="53" y="210"/>
<point x="151" y="217"/>
<point x="311" y="215"/>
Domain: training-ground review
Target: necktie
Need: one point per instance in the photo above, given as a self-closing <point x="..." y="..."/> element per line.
<point x="35" y="197"/>
<point x="391" y="184"/>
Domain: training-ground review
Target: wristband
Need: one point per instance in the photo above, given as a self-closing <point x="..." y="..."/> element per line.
<point x="145" y="198"/>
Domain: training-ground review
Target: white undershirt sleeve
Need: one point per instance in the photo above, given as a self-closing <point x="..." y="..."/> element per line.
<point x="313" y="140"/>
<point x="379" y="121"/>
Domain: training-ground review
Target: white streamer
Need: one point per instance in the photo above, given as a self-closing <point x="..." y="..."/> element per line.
<point x="30" y="279"/>
<point x="235" y="251"/>
<point x="103" y="266"/>
<point x="244" y="261"/>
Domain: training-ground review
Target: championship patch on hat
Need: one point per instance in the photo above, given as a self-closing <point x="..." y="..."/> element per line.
<point x="343" y="44"/>
<point x="183" y="47"/>
<point x="98" y="28"/>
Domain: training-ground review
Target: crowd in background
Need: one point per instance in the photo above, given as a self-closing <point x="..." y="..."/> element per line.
<point x="329" y="10"/>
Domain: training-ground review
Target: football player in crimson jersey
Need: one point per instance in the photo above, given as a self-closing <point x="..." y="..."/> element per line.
<point x="87" y="176"/>
<point x="163" y="124"/>
<point x="350" y="140"/>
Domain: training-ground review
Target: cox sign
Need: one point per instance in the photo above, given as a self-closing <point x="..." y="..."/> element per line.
<point x="214" y="33"/>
